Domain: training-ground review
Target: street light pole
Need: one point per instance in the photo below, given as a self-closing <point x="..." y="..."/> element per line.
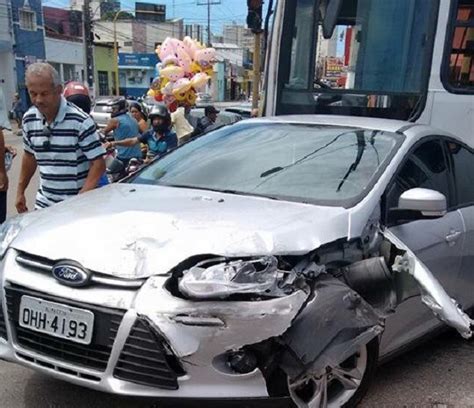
<point x="256" y="70"/>
<point x="116" y="56"/>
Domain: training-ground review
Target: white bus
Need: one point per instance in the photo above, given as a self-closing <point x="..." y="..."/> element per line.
<point x="402" y="59"/>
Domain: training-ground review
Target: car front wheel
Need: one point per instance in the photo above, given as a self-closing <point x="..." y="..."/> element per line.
<point x="341" y="386"/>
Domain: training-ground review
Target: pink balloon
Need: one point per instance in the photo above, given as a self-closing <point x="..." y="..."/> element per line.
<point x="205" y="57"/>
<point x="190" y="46"/>
<point x="184" y="60"/>
<point x="167" y="49"/>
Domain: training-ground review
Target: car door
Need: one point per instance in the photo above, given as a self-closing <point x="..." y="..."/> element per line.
<point x="462" y="162"/>
<point x="437" y="242"/>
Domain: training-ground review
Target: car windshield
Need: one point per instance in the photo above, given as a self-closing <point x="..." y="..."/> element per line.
<point x="325" y="165"/>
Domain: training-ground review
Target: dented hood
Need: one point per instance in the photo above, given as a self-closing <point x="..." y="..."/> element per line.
<point x="134" y="231"/>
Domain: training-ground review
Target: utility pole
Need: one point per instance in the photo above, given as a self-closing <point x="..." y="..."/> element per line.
<point x="208" y="3"/>
<point x="116" y="55"/>
<point x="88" y="46"/>
<point x="256" y="70"/>
<point x="254" y="22"/>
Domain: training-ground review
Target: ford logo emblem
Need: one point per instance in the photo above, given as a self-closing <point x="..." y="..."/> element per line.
<point x="71" y="274"/>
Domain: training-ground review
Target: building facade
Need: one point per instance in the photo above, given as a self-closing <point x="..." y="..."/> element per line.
<point x="7" y="60"/>
<point x="136" y="73"/>
<point x="238" y="34"/>
<point x="196" y="32"/>
<point x="64" y="42"/>
<point x="104" y="66"/>
<point x="28" y="33"/>
<point x="134" y="36"/>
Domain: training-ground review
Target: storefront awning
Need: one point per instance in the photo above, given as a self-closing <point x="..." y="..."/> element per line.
<point x="136" y="67"/>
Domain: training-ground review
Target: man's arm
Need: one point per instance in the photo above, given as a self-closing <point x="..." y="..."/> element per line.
<point x="112" y="124"/>
<point x="96" y="169"/>
<point x="132" y="141"/>
<point x="28" y="168"/>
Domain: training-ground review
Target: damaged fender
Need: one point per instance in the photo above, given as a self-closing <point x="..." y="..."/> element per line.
<point x="433" y="294"/>
<point x="318" y="340"/>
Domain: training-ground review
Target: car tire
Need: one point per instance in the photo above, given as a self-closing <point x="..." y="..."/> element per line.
<point x="335" y="392"/>
<point x="372" y="359"/>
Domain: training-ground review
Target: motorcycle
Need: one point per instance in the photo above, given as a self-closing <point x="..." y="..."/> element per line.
<point x="116" y="169"/>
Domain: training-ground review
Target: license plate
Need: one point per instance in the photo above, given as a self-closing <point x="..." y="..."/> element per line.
<point x="57" y="320"/>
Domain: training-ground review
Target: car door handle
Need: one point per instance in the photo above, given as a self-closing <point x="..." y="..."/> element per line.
<point x="453" y="236"/>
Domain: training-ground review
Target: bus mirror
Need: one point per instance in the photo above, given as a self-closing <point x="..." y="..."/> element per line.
<point x="330" y="14"/>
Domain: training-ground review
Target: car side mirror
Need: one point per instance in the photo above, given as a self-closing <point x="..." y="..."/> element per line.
<point x="419" y="204"/>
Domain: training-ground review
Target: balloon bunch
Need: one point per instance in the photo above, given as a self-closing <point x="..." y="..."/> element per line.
<point x="185" y="68"/>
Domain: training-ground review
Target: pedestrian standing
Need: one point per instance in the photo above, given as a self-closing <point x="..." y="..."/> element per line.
<point x="60" y="139"/>
<point x="3" y="179"/>
<point x="4" y="151"/>
<point x="18" y="111"/>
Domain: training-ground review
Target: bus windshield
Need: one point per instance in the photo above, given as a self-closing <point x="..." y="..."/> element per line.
<point x="356" y="57"/>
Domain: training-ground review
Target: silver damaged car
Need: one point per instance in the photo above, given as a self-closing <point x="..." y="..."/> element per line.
<point x="280" y="257"/>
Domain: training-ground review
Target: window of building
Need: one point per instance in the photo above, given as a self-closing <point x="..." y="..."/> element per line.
<point x="128" y="43"/>
<point x="69" y="72"/>
<point x="27" y="20"/>
<point x="458" y="71"/>
<point x="103" y="83"/>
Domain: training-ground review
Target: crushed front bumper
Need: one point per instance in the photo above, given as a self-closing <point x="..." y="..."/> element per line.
<point x="146" y="341"/>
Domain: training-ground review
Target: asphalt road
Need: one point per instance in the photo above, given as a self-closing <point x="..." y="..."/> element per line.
<point x="438" y="374"/>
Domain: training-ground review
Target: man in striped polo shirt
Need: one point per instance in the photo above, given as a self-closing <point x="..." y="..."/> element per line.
<point x="60" y="139"/>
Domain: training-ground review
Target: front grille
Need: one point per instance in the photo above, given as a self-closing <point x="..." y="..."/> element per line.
<point x="59" y="369"/>
<point x="146" y="360"/>
<point x="45" y="266"/>
<point x="3" y="326"/>
<point x="95" y="355"/>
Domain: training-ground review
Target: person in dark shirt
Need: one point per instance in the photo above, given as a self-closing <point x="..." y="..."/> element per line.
<point x="208" y="122"/>
<point x="159" y="139"/>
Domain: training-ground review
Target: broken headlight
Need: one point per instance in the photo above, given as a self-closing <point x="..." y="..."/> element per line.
<point x="219" y="278"/>
<point x="8" y="232"/>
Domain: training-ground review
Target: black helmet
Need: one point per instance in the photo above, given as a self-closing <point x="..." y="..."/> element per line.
<point x="119" y="104"/>
<point x="139" y="107"/>
<point x="160" y="111"/>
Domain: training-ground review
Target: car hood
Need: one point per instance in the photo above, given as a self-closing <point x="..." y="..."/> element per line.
<point x="135" y="231"/>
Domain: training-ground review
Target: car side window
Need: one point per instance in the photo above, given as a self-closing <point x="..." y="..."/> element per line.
<point x="463" y="170"/>
<point x="425" y="168"/>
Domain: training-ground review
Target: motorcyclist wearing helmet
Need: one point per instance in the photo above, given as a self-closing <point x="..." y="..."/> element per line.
<point x="78" y="94"/>
<point x="124" y="127"/>
<point x="159" y="139"/>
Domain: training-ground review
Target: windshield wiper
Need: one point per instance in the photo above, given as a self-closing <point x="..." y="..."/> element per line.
<point x="224" y="191"/>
